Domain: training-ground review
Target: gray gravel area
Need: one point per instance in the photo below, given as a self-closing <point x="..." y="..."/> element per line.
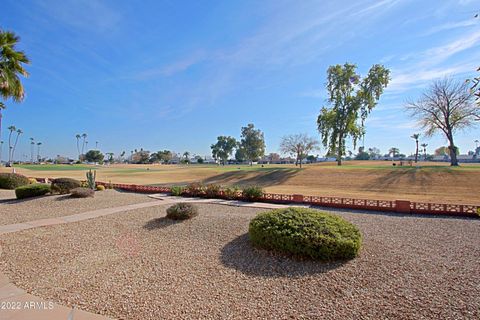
<point x="139" y="265"/>
<point x="17" y="211"/>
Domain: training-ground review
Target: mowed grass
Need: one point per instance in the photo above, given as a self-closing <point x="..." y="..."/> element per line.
<point x="432" y="182"/>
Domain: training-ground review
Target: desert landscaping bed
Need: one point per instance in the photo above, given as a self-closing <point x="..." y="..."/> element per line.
<point x="139" y="265"/>
<point x="17" y="211"/>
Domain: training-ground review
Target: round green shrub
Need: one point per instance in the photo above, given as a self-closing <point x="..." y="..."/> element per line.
<point x="12" y="180"/>
<point x="82" y="193"/>
<point x="32" y="190"/>
<point x="182" y="211"/>
<point x="306" y="232"/>
<point x="64" y="185"/>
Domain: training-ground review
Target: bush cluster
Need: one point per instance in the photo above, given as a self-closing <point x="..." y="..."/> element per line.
<point x="252" y="193"/>
<point x="182" y="211"/>
<point x="81" y="192"/>
<point x="195" y="189"/>
<point x="65" y="185"/>
<point x="231" y="193"/>
<point x="177" y="190"/>
<point x="100" y="187"/>
<point x="306" y="232"/>
<point x="12" y="180"/>
<point x="32" y="190"/>
<point x="212" y="191"/>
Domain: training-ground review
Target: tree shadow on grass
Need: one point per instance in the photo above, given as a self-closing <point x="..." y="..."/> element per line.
<point x="410" y="176"/>
<point x="160" y="223"/>
<point x="240" y="255"/>
<point x="262" y="178"/>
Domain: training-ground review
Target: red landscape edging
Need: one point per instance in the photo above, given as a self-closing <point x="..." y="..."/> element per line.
<point x="399" y="206"/>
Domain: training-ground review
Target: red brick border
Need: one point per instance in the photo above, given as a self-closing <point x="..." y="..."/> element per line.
<point x="400" y="206"/>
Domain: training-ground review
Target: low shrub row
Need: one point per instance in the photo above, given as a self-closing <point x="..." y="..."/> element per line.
<point x="32" y="190"/>
<point x="12" y="180"/>
<point x="65" y="185"/>
<point x="249" y="193"/>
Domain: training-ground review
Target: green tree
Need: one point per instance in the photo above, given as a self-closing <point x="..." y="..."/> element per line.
<point x="239" y="154"/>
<point x="94" y="156"/>
<point x="446" y="107"/>
<point x="223" y="149"/>
<point x="252" y="143"/>
<point x="362" y="155"/>
<point x="11" y="68"/>
<point x="415" y="136"/>
<point x="350" y="99"/>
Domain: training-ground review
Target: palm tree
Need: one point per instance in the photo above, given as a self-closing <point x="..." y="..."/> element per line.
<point x="32" y="146"/>
<point x="11" y="67"/>
<point x="19" y="132"/>
<point x="96" y="145"/>
<point x="12" y="129"/>
<point x="78" y="144"/>
<point x="394" y="151"/>
<point x="1" y="149"/>
<point x="84" y="136"/>
<point x="424" y="146"/>
<point x="415" y="136"/>
<point x="38" y="151"/>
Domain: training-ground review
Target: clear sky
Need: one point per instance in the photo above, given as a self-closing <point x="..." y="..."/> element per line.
<point x="176" y="74"/>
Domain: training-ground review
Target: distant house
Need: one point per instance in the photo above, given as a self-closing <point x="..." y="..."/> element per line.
<point x="326" y="159"/>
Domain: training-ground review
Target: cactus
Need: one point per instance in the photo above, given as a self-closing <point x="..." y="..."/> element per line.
<point x="91" y="176"/>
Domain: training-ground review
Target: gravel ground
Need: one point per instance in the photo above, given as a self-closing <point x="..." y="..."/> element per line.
<point x="139" y="265"/>
<point x="16" y="211"/>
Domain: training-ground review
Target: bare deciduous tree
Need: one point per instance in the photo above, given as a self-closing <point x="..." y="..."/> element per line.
<point x="298" y="145"/>
<point x="447" y="106"/>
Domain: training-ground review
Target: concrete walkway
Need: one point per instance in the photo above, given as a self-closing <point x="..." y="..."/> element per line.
<point x="16" y="303"/>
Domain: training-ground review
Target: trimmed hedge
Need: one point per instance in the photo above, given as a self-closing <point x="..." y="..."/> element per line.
<point x="82" y="193"/>
<point x="306" y="232"/>
<point x="12" y="180"/>
<point x="32" y="190"/>
<point x="182" y="211"/>
<point x="64" y="185"/>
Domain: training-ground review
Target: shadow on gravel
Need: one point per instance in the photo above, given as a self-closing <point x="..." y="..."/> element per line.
<point x="239" y="254"/>
<point x="15" y="201"/>
<point x="160" y="223"/>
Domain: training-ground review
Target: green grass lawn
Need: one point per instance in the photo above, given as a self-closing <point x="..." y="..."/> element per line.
<point x="55" y="167"/>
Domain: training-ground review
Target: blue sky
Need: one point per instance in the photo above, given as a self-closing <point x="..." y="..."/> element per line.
<point x="176" y="74"/>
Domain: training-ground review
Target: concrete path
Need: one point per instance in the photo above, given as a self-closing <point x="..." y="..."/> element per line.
<point x="16" y="303"/>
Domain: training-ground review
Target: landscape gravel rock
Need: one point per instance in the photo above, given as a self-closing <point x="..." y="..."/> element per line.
<point x="17" y="211"/>
<point x="140" y="265"/>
